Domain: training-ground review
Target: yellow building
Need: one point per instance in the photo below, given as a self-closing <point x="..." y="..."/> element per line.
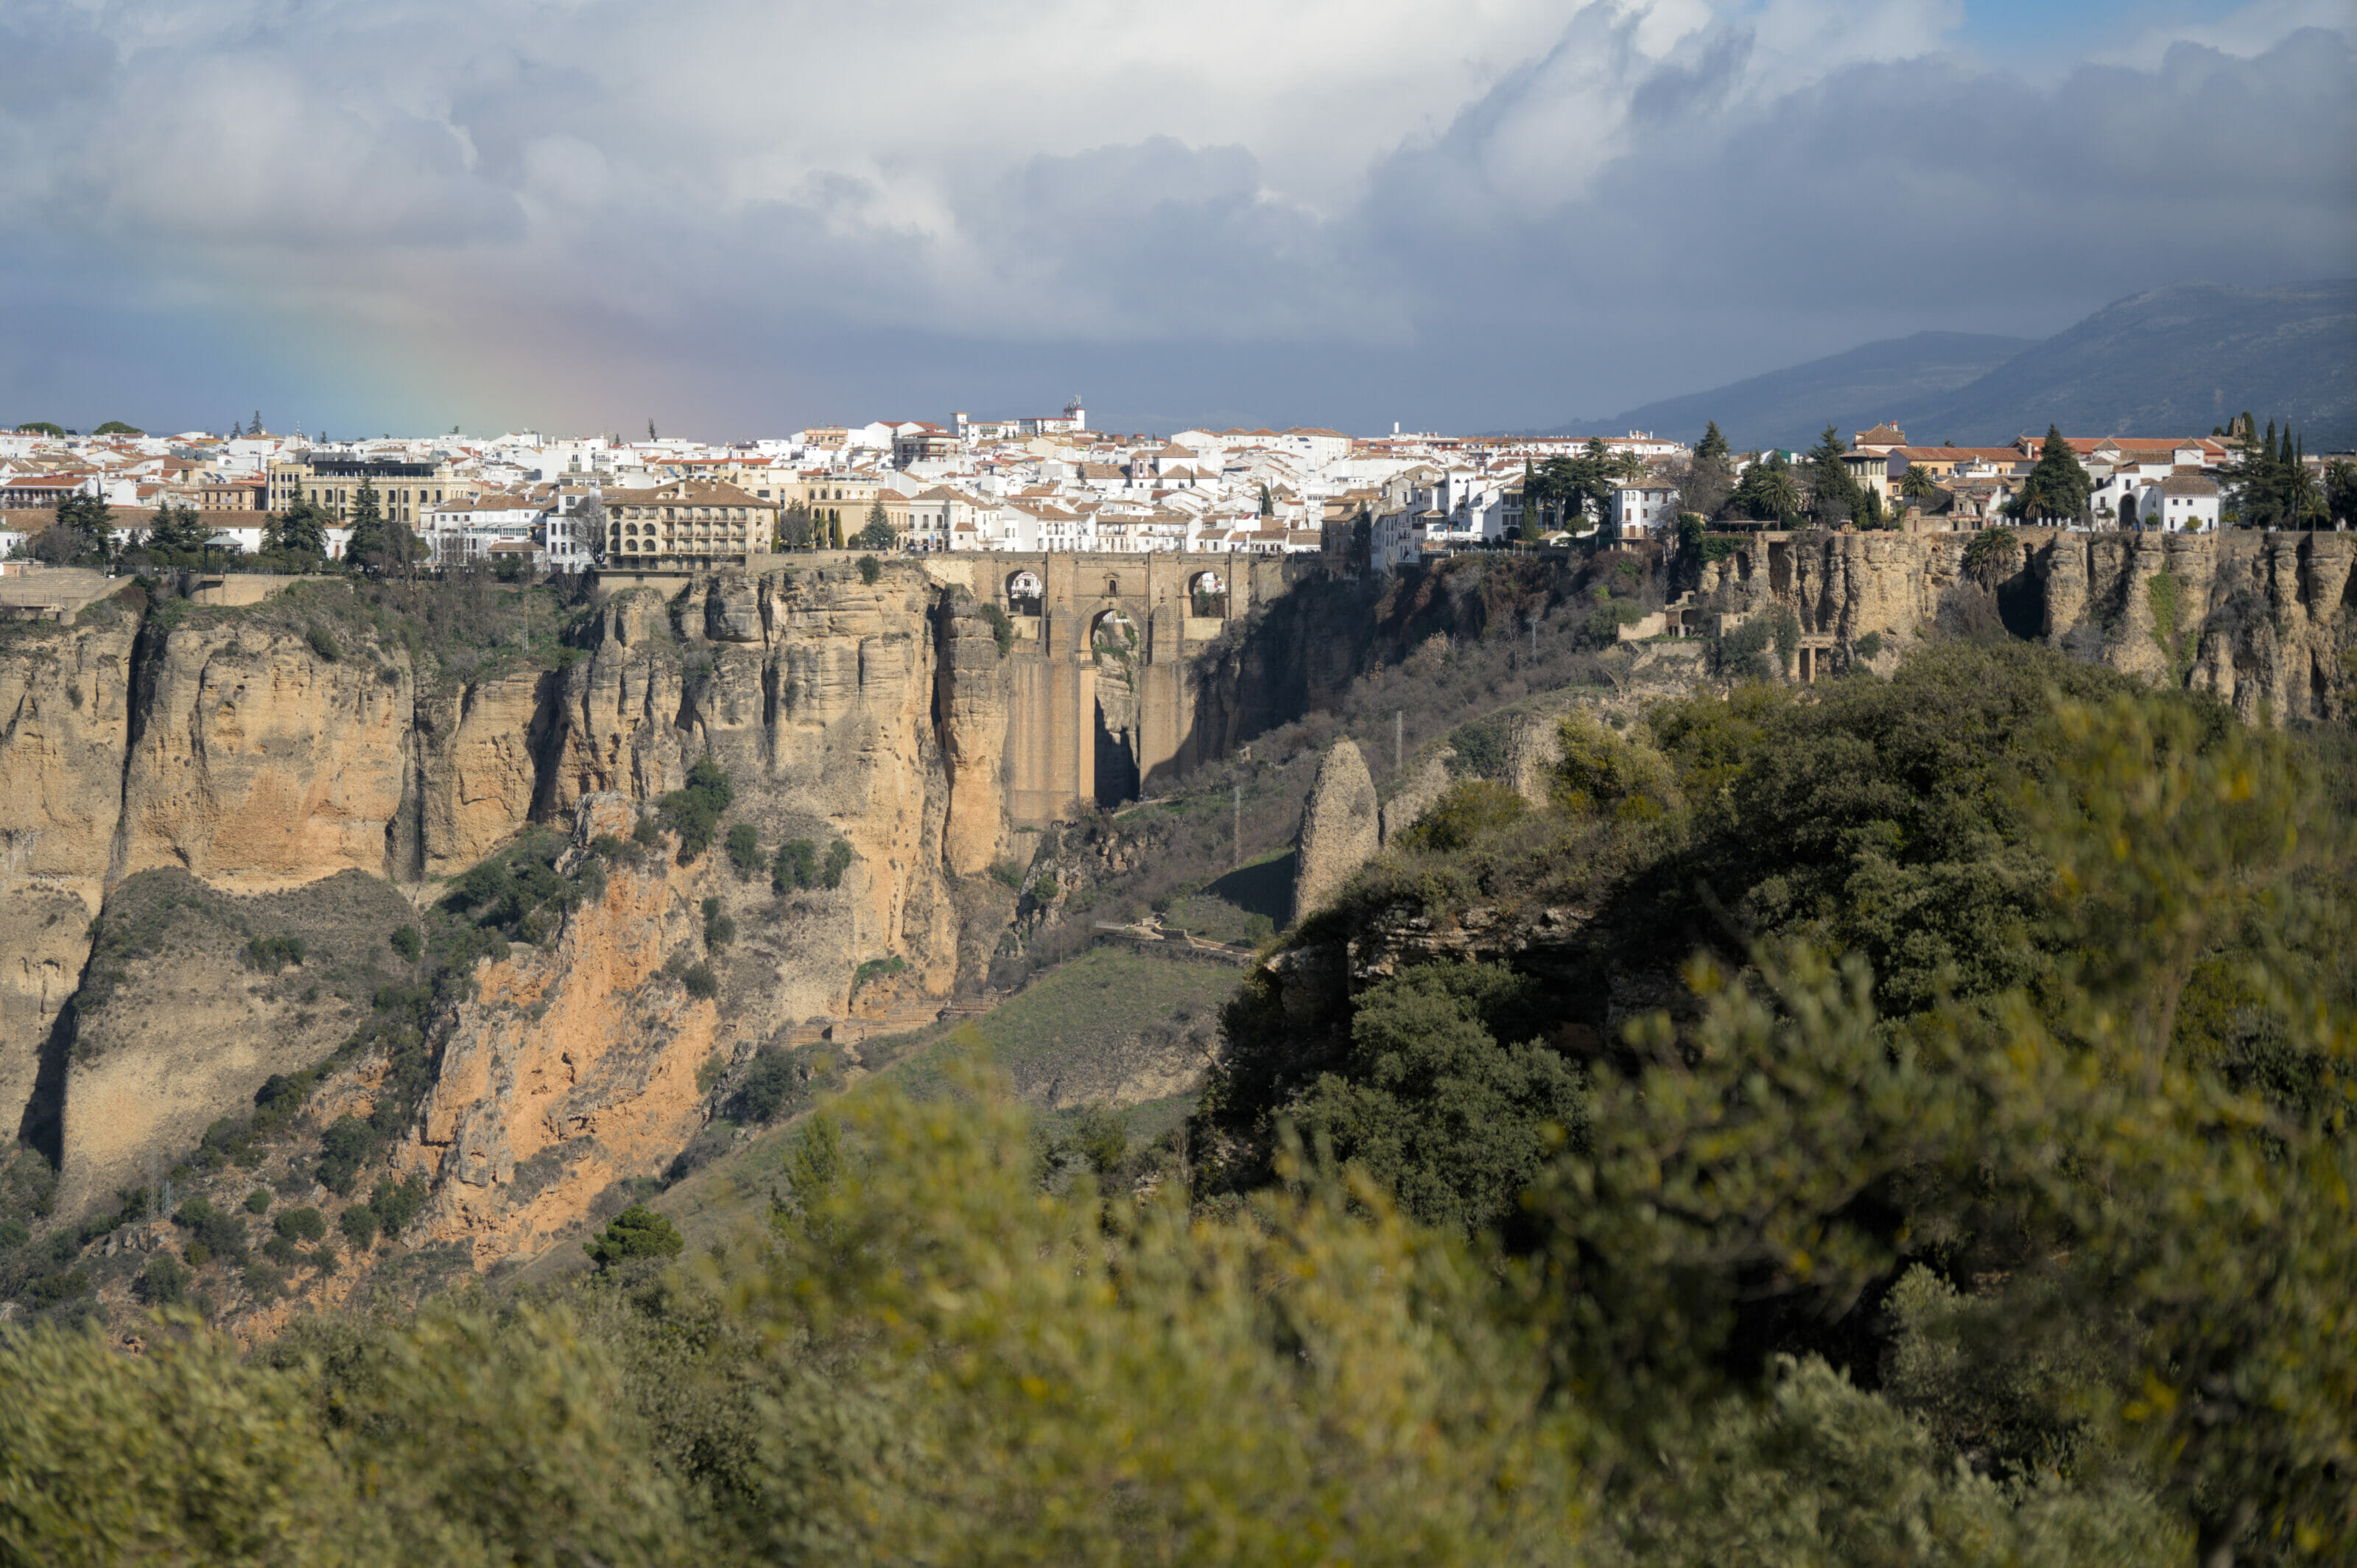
<point x="405" y="491"/>
<point x="687" y="523"/>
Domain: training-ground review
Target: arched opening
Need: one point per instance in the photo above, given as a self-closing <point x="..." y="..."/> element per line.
<point x="1112" y="646"/>
<point x="1023" y="593"/>
<point x="1112" y="587"/>
<point x="2127" y="511"/>
<point x="1207" y="595"/>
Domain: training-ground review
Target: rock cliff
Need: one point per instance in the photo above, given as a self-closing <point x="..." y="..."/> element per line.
<point x="1341" y="828"/>
<point x="182" y="782"/>
<point x="2263" y="619"/>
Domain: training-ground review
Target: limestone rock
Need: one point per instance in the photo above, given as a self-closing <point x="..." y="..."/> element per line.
<point x="65" y="697"/>
<point x="258" y="763"/>
<point x="1534" y="751"/>
<point x="1426" y="785"/>
<point x="1341" y="828"/>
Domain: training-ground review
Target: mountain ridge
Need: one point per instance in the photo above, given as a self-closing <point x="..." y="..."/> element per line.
<point x="2287" y="352"/>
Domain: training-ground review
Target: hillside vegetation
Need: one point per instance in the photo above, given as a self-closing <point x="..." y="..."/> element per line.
<point x="1900" y="1121"/>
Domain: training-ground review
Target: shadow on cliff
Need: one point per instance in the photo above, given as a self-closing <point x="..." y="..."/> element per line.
<point x="43" y="1125"/>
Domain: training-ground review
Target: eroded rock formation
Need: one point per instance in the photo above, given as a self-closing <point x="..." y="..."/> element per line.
<point x="1341" y="828"/>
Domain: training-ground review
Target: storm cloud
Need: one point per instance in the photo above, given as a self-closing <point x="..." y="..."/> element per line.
<point x="740" y="218"/>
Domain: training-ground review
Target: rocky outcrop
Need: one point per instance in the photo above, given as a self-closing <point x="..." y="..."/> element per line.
<point x="970" y="702"/>
<point x="1533" y="752"/>
<point x="572" y="1067"/>
<point x="1428" y="779"/>
<point x="1340" y="828"/>
<point x="2263" y="619"/>
<point x="65" y="704"/>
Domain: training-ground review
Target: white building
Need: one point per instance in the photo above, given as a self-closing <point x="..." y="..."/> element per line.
<point x="1643" y="506"/>
<point x="462" y="531"/>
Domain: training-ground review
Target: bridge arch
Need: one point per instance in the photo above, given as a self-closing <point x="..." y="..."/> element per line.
<point x="1207" y="594"/>
<point x="1025" y="593"/>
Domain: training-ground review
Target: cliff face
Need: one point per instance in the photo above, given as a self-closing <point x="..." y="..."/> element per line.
<point x="65" y="704"/>
<point x="192" y="780"/>
<point x="2263" y="619"/>
<point x="256" y="762"/>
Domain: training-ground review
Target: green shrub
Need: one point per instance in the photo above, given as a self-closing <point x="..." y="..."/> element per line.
<point x="701" y="982"/>
<point x="407" y="942"/>
<point x="199" y="1254"/>
<point x="323" y="642"/>
<point x="1869" y="647"/>
<point x="301" y="1225"/>
<point x="870" y="569"/>
<point x="164" y="1282"/>
<point x="694" y="812"/>
<point x="1044" y="891"/>
<point x="838" y="861"/>
<point x="359" y="1224"/>
<point x="745" y="849"/>
<point x="1606" y="772"/>
<point x="1102" y="1136"/>
<point x="1604" y="622"/>
<point x="397" y="1202"/>
<point x="61" y="1286"/>
<point x="1470" y="810"/>
<point x="258" y="1201"/>
<point x="279" y="1249"/>
<point x="264" y="1281"/>
<point x="877" y="969"/>
<point x="222" y="1234"/>
<point x="271" y="954"/>
<point x="347" y="1145"/>
<point x="1001" y="628"/>
<point x="769" y="1083"/>
<point x="796" y="867"/>
<point x="637" y="1232"/>
<point x="719" y="931"/>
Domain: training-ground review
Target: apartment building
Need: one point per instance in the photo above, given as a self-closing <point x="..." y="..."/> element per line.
<point x="687" y="523"/>
<point x="406" y="492"/>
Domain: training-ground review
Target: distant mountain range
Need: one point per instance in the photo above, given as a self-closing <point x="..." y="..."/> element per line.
<point x="2171" y="361"/>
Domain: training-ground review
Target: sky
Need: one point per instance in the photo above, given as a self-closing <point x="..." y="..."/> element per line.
<point x="737" y="218"/>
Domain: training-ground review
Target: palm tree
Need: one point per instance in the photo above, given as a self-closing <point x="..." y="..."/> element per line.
<point x="1918" y="485"/>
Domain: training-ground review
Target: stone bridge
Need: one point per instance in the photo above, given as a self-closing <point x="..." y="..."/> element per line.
<point x="1101" y="687"/>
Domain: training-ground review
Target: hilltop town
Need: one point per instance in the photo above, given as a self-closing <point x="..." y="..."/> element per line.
<point x="1050" y="483"/>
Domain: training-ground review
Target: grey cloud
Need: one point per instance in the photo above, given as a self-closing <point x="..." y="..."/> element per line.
<point x="1597" y="227"/>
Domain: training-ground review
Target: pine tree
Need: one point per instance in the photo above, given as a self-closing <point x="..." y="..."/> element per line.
<point x="2058" y="488"/>
<point x="1833" y="497"/>
<point x="175" y="530"/>
<point x="88" y="526"/>
<point x="300" y="529"/>
<point x="369" y="541"/>
<point x="1709" y="478"/>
